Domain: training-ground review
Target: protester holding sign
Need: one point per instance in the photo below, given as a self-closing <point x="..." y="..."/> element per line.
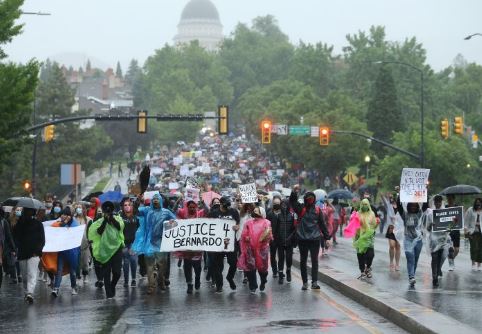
<point x="107" y="236"/>
<point x="454" y="236"/>
<point x="255" y="248"/>
<point x="472" y="220"/>
<point x="30" y="239"/>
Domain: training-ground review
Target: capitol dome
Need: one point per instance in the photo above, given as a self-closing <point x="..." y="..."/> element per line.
<point x="200" y="21"/>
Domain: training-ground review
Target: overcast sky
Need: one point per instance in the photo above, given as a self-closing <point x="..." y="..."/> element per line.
<point x="112" y="30"/>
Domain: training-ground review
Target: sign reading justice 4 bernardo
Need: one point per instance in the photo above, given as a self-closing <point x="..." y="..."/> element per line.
<point x="199" y="234"/>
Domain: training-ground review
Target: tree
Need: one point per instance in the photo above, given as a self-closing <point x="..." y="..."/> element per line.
<point x="9" y="13"/>
<point x="118" y="70"/>
<point x="384" y="117"/>
<point x="88" y="67"/>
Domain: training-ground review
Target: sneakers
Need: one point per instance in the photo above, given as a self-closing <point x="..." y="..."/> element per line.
<point x="368" y="272"/>
<point x="219" y="290"/>
<point x="474" y="267"/>
<point x="29" y="298"/>
<point x="55" y="292"/>
<point x="362" y="276"/>
<point x="189" y="289"/>
<point x="126" y="284"/>
<point x="451" y="265"/>
<point x="99" y="284"/>
<point x="304" y="287"/>
<point x="179" y="264"/>
<point x="19" y="279"/>
<point x="253" y="291"/>
<point x="435" y="283"/>
<point x="479" y="268"/>
<point x="74" y="291"/>
<point x="232" y="285"/>
<point x="197" y="283"/>
<point x="288" y="276"/>
<point x="167" y="282"/>
<point x="275" y="274"/>
<point x="245" y="280"/>
<point x="133" y="283"/>
<point x="412" y="281"/>
<point x="86" y="280"/>
<point x="315" y="286"/>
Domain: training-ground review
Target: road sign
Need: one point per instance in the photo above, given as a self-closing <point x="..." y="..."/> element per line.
<point x="315" y="131"/>
<point x="299" y="130"/>
<point x="279" y="129"/>
<point x="350" y="178"/>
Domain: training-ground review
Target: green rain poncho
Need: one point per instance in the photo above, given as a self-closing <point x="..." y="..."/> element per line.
<point x="106" y="244"/>
<point x="365" y="236"/>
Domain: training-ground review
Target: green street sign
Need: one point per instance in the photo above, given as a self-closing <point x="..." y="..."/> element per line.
<point x="299" y="130"/>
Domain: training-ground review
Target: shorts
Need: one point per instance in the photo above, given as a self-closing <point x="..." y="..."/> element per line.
<point x="390" y="235"/>
<point x="455" y="236"/>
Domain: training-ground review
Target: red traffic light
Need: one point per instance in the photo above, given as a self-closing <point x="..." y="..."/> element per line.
<point x="266" y="124"/>
<point x="266" y="132"/>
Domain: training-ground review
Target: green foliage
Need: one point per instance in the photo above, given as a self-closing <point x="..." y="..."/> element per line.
<point x="9" y="12"/>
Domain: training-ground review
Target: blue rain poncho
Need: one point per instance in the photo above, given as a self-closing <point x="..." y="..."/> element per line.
<point x="151" y="226"/>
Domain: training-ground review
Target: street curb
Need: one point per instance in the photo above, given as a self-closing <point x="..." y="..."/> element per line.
<point x="409" y="316"/>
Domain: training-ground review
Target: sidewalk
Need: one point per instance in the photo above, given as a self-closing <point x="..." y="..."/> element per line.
<point x="420" y="309"/>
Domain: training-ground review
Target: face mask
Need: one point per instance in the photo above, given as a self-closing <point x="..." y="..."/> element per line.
<point x="78" y="211"/>
<point x="477" y="206"/>
<point x="18" y="213"/>
<point x="215" y="206"/>
<point x="310" y="201"/>
<point x="276" y="206"/>
<point x="57" y="209"/>
<point x="365" y="208"/>
<point x="127" y="209"/>
<point x="48" y="205"/>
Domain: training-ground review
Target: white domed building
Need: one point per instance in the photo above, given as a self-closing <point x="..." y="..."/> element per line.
<point x="200" y="21"/>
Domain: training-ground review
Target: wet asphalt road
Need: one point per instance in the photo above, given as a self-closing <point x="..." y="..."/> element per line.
<point x="460" y="291"/>
<point x="281" y="309"/>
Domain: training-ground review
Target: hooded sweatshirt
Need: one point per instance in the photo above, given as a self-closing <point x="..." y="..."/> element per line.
<point x="93" y="210"/>
<point x="149" y="234"/>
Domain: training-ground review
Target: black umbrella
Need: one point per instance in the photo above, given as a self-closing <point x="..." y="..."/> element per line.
<point x="24" y="202"/>
<point x="340" y="194"/>
<point x="89" y="196"/>
<point x="461" y="189"/>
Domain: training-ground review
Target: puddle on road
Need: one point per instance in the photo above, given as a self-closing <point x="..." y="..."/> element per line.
<point x="305" y="323"/>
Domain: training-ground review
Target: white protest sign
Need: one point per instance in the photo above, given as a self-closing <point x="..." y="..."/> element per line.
<point x="198" y="154"/>
<point x="278" y="186"/>
<point x="413" y="185"/>
<point x="58" y="239"/>
<point x="286" y="192"/>
<point x="184" y="170"/>
<point x="177" y="161"/>
<point x="248" y="193"/>
<point x="201" y="234"/>
<point x="149" y="194"/>
<point x="173" y="185"/>
<point x="280" y="172"/>
<point x="192" y="194"/>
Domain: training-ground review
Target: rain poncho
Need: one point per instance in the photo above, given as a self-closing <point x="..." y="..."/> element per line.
<point x="255" y="245"/>
<point x="435" y="240"/>
<point x="149" y="234"/>
<point x="413" y="233"/>
<point x="394" y="219"/>
<point x="367" y="222"/>
<point x="105" y="245"/>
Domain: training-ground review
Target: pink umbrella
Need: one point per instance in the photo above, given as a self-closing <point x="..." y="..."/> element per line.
<point x="209" y="196"/>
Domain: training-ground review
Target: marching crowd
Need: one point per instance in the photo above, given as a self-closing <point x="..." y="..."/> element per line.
<point x="125" y="238"/>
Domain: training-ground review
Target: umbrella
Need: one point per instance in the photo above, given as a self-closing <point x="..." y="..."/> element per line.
<point x="320" y="194"/>
<point x="262" y="192"/>
<point x="24" y="202"/>
<point x="340" y="194"/>
<point x="113" y="196"/>
<point x="89" y="196"/>
<point x="461" y="189"/>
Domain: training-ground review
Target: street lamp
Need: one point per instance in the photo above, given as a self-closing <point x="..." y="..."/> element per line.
<point x="367" y="161"/>
<point x="470" y="36"/>
<point x="422" y="116"/>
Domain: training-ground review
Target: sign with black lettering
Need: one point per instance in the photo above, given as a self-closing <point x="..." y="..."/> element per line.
<point x="413" y="185"/>
<point x="448" y="219"/>
<point x="200" y="234"/>
<point x="248" y="193"/>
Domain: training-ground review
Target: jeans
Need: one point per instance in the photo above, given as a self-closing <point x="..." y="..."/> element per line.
<point x="312" y="246"/>
<point x="129" y="260"/>
<point x="412" y="258"/>
<point x="29" y="270"/>
<point x="60" y="266"/>
<point x="437" y="262"/>
<point x="111" y="270"/>
<point x="285" y="252"/>
<point x="217" y="266"/>
<point x="85" y="258"/>
<point x="251" y="275"/>
<point x="189" y="265"/>
<point x="273" y="247"/>
<point x="365" y="260"/>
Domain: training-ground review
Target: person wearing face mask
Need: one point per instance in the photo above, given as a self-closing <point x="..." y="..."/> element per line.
<point x="254" y="246"/>
<point x="29" y="237"/>
<point x="244" y="216"/>
<point x="413" y="235"/>
<point x="85" y="255"/>
<point x="57" y="208"/>
<point x="131" y="224"/>
<point x="148" y="241"/>
<point x="472" y="220"/>
<point x="99" y="283"/>
<point x="107" y="237"/>
<point x="283" y="226"/>
<point x="309" y="231"/>
<point x="68" y="258"/>
<point x="192" y="260"/>
<point x="225" y="211"/>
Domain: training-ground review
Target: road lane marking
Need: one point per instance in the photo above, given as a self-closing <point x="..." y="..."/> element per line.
<point x="343" y="309"/>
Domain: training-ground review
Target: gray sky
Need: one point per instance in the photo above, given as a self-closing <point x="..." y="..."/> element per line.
<point x="111" y="30"/>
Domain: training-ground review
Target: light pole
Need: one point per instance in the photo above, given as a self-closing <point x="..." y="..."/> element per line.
<point x="367" y="161"/>
<point x="422" y="116"/>
<point x="470" y="36"/>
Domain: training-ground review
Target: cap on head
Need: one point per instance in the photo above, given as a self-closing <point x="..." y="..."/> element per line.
<point x="108" y="207"/>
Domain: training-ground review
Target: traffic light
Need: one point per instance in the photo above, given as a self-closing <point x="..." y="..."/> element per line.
<point x="458" y="125"/>
<point x="27" y="186"/>
<point x="266" y="132"/>
<point x="142" y="121"/>
<point x="444" y="128"/>
<point x="49" y="133"/>
<point x="324" y="136"/>
<point x="223" y="120"/>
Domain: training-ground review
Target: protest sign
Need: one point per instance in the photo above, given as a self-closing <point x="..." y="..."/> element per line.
<point x="278" y="186"/>
<point x="58" y="239"/>
<point x="201" y="234"/>
<point x="413" y="185"/>
<point x="184" y="170"/>
<point x="177" y="161"/>
<point x="173" y="185"/>
<point x="448" y="219"/>
<point x="191" y="183"/>
<point x="192" y="194"/>
<point x="149" y="194"/>
<point x="248" y="193"/>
